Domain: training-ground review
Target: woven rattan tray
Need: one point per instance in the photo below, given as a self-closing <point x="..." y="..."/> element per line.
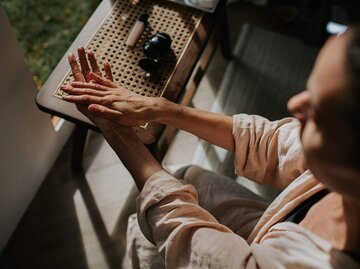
<point x="108" y="43"/>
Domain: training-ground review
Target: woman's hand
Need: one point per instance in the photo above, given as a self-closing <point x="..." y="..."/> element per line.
<point x="107" y="100"/>
<point x="83" y="75"/>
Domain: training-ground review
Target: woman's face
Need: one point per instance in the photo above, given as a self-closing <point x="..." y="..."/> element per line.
<point x="325" y="134"/>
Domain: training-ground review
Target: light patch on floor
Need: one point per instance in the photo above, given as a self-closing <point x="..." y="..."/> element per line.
<point x="89" y="236"/>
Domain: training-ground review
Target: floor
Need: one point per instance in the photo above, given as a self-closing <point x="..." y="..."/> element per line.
<point x="78" y="220"/>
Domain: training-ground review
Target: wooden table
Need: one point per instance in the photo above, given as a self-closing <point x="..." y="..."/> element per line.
<point x="180" y="87"/>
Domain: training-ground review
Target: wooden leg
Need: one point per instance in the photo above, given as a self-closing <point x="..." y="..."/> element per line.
<point x="80" y="135"/>
<point x="224" y="35"/>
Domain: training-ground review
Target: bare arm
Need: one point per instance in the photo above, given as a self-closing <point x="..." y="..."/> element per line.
<point x="137" y="159"/>
<point x="127" y="108"/>
<point x="214" y="128"/>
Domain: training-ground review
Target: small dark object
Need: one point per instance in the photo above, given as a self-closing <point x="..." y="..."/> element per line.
<point x="149" y="65"/>
<point x="144" y="17"/>
<point x="157" y="45"/>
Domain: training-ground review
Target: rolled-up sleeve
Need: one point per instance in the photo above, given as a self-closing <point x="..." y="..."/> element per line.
<point x="187" y="235"/>
<point x="268" y="152"/>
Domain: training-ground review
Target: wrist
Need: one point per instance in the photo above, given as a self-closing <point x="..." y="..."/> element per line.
<point x="133" y="154"/>
<point x="164" y="110"/>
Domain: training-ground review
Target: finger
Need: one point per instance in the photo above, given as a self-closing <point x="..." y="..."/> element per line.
<point x="102" y="81"/>
<point x="85" y="69"/>
<point x="82" y="91"/>
<point x="83" y="99"/>
<point x="93" y="62"/>
<point x="93" y="86"/>
<point x="83" y="109"/>
<point x="106" y="112"/>
<point x="75" y="69"/>
<point x="108" y="71"/>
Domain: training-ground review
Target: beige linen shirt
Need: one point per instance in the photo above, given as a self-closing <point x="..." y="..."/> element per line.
<point x="190" y="237"/>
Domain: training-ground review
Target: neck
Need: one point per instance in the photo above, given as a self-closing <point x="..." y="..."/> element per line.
<point x="336" y="220"/>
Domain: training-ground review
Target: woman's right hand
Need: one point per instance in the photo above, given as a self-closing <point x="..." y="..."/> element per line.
<point x="107" y="100"/>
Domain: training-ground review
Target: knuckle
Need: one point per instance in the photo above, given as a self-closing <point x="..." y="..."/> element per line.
<point x="112" y="97"/>
<point x="87" y="91"/>
<point x="106" y="100"/>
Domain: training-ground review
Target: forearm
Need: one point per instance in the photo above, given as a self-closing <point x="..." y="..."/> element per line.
<point x="133" y="154"/>
<point x="214" y="128"/>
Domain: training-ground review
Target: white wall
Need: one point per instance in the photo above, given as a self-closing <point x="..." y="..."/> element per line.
<point x="29" y="144"/>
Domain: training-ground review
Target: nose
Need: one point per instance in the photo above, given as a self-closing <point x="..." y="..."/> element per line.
<point x="298" y="105"/>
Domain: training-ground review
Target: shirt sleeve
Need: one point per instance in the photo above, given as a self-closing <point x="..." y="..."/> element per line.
<point x="190" y="237"/>
<point x="268" y="152"/>
<point x="185" y="234"/>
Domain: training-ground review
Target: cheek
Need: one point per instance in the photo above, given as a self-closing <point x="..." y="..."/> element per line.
<point x="319" y="152"/>
<point x="312" y="143"/>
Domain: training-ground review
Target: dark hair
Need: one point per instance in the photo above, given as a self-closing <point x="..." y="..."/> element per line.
<point x="353" y="68"/>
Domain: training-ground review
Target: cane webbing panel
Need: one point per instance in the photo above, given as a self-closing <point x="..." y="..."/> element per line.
<point x="108" y="43"/>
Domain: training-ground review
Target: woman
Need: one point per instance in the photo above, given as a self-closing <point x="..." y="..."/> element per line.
<point x="314" y="159"/>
